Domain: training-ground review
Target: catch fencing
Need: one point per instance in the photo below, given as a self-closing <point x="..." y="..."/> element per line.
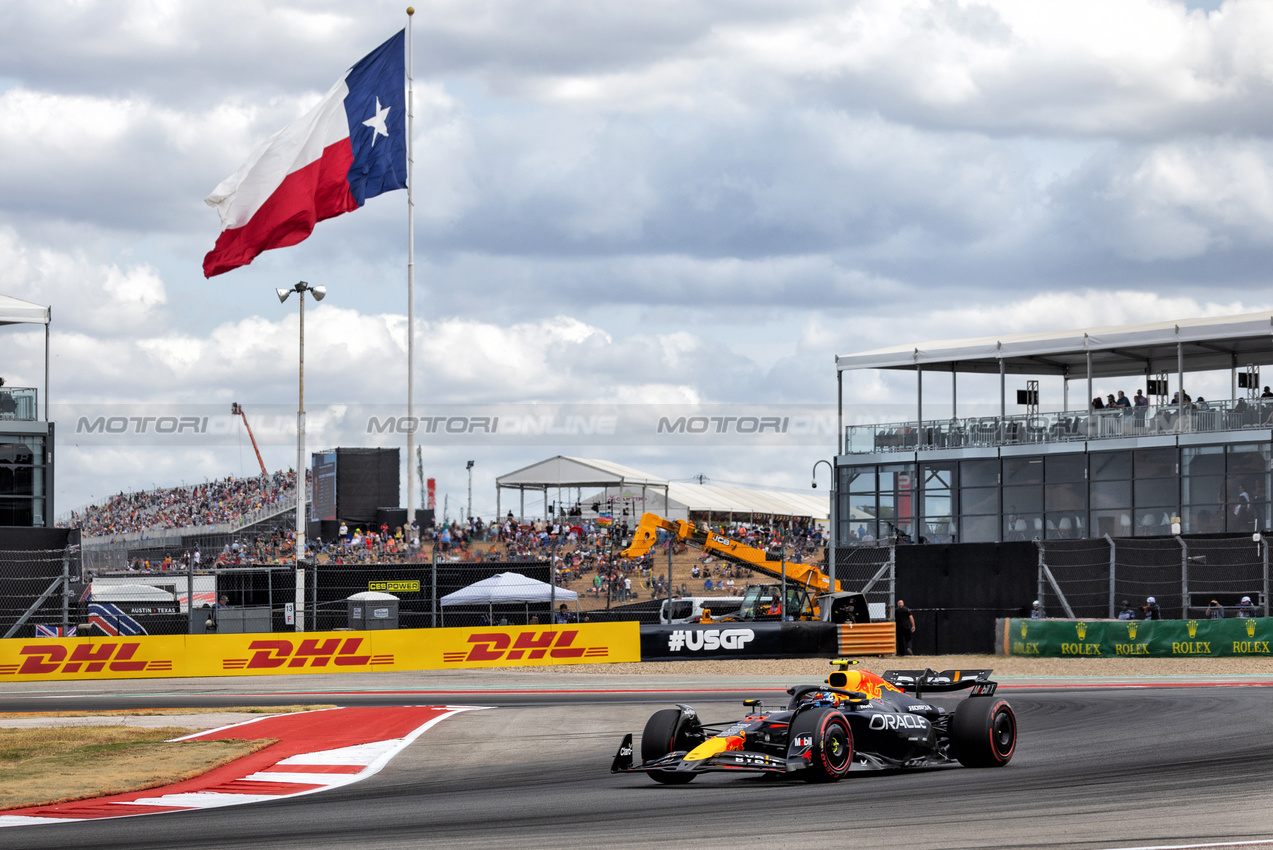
<point x="38" y="591"/>
<point x="51" y="592"/>
<point x="1094" y="578"/>
<point x="870" y="570"/>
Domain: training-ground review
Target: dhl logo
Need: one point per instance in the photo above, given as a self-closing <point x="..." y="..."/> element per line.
<point x="84" y="658"/>
<point x="496" y="646"/>
<point x="314" y="652"/>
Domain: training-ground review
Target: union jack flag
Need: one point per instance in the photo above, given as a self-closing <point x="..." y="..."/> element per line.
<point x="113" y="621"/>
<point x="53" y="631"/>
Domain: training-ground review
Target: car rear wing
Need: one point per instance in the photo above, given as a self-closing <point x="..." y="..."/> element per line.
<point x="918" y="681"/>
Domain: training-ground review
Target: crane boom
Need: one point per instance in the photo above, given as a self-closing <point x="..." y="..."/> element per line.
<point x="646" y="535"/>
<point x="236" y="409"/>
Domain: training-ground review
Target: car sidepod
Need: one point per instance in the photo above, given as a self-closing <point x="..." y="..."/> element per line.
<point x="895" y="736"/>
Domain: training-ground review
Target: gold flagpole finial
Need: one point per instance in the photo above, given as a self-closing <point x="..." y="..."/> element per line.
<point x="410" y="10"/>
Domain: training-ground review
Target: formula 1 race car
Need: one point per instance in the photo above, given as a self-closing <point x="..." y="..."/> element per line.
<point x="876" y="721"/>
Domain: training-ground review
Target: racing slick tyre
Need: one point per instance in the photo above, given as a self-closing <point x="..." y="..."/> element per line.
<point x="983" y="732"/>
<point x="667" y="732"/>
<point x="831" y="755"/>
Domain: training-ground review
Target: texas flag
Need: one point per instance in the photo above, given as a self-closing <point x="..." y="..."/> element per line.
<point x="350" y="147"/>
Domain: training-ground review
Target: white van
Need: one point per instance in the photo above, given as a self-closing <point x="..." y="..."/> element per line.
<point x="689" y="609"/>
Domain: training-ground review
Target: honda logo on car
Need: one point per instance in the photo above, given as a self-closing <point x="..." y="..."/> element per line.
<point x="708" y="640"/>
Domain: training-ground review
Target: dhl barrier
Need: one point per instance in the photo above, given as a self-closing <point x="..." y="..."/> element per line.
<point x="163" y="656"/>
<point x="1127" y="638"/>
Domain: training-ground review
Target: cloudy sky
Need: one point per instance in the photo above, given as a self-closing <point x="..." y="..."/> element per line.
<point x="618" y="204"/>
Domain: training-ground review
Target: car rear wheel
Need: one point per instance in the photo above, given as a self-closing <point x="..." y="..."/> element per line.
<point x="831" y="753"/>
<point x="667" y="731"/>
<point x="983" y="732"/>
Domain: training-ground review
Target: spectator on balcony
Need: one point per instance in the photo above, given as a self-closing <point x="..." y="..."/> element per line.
<point x="1242" y="509"/>
<point x="1140" y="400"/>
<point x="1123" y="402"/>
<point x="1097" y="404"/>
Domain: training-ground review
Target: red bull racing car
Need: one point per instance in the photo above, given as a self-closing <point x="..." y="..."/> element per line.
<point x="875" y="721"/>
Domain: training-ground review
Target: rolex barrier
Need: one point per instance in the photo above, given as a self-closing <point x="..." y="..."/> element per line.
<point x="1128" y="638"/>
<point x="171" y="656"/>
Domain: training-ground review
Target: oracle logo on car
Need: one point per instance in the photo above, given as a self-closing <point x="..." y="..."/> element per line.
<point x="708" y="640"/>
<point x="314" y="652"/>
<point x="543" y="646"/>
<point x="47" y="658"/>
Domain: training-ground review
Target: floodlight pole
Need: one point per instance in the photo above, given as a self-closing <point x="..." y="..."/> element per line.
<point x="319" y="292"/>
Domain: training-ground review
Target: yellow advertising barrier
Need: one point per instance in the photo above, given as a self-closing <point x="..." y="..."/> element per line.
<point x="169" y="656"/>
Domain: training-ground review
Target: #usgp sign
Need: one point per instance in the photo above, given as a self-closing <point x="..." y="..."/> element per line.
<point x="737" y="640"/>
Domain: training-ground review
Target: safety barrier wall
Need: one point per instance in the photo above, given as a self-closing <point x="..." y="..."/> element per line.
<point x="1127" y="638"/>
<point x="691" y="642"/>
<point x="166" y="656"/>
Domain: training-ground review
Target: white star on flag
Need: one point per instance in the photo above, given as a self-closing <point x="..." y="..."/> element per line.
<point x="377" y="123"/>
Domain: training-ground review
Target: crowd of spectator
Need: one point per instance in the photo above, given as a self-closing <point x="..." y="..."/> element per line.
<point x="584" y="554"/>
<point x="226" y="500"/>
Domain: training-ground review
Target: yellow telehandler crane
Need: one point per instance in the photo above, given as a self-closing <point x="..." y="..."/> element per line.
<point x="809" y="594"/>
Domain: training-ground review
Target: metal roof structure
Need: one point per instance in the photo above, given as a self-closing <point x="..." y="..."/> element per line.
<point x="671" y="499"/>
<point x="562" y="471"/>
<point x="1197" y="345"/>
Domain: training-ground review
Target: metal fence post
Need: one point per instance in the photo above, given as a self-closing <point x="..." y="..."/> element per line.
<point x="892" y="578"/>
<point x="66" y="591"/>
<point x="1112" y="575"/>
<point x="433" y="594"/>
<point x="1265" y="547"/>
<point x="1184" y="577"/>
<point x="1038" y="593"/>
<point x="189" y="595"/>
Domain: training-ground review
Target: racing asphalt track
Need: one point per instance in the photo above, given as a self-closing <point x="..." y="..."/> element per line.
<point x="1094" y="768"/>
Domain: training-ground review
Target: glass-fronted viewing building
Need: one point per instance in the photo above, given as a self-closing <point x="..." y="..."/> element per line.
<point x="1170" y="464"/>
<point x="26" y="437"/>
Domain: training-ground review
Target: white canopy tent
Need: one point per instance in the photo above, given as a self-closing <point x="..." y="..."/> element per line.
<point x="14" y="311"/>
<point x="563" y="472"/>
<point x="507" y="589"/>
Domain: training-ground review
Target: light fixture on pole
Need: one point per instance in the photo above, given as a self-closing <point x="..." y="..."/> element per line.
<point x="319" y="293"/>
<point x="469" y="467"/>
<point x="832" y="515"/>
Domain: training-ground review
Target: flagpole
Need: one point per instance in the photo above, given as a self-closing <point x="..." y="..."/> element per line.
<point x="410" y="273"/>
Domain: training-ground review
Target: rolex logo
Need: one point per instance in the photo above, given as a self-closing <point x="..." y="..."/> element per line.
<point x="1193" y="628"/>
<point x="1131" y="631"/>
<point x="1081" y="629"/>
<point x="1250" y="628"/>
<point x="1023" y="625"/>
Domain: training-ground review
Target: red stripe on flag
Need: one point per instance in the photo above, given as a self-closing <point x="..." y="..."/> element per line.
<point x="307" y="196"/>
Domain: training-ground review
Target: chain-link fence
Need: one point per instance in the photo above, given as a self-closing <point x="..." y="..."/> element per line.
<point x="37" y="590"/>
<point x="46" y="594"/>
<point x="1187" y="577"/>
<point x="871" y="570"/>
